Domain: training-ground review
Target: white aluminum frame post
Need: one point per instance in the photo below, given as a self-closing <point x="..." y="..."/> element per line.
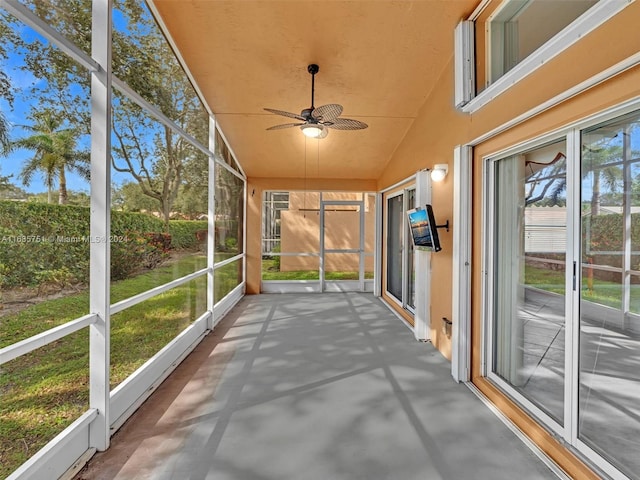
<point x="461" y="284"/>
<point x="422" y="317"/>
<point x="100" y="283"/>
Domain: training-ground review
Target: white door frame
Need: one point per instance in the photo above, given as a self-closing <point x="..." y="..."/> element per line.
<point x="342" y="285"/>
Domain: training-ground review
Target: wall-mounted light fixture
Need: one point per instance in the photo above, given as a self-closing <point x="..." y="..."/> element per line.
<point x="439" y="171"/>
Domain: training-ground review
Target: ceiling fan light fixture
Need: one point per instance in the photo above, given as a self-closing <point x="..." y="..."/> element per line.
<point x="312" y="130"/>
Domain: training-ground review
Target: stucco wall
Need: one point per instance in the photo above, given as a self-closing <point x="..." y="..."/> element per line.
<point x="439" y="128"/>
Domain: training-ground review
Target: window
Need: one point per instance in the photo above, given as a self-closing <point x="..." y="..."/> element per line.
<point x="521" y="26"/>
<point x="516" y="39"/>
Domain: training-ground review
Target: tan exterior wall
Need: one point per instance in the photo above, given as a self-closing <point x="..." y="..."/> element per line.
<point x="439" y="128"/>
<point x="300" y="228"/>
<point x="256" y="188"/>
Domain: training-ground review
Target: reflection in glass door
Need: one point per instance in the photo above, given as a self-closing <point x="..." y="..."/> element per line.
<point x="529" y="257"/>
<point x="609" y="410"/>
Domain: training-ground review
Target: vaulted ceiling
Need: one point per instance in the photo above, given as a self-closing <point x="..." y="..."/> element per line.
<point x="379" y="59"/>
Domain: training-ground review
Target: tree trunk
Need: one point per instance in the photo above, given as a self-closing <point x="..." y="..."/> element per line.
<point x="62" y="179"/>
<point x="595" y="194"/>
<point x="166" y="214"/>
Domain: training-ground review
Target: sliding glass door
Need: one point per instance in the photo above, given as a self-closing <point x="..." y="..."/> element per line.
<point x="399" y="252"/>
<point x="563" y="286"/>
<point x="529" y="272"/>
<point x="395" y="245"/>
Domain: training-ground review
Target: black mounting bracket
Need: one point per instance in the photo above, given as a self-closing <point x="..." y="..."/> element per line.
<point x="446" y="225"/>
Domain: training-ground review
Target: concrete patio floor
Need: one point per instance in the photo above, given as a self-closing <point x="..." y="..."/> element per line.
<point x="314" y="386"/>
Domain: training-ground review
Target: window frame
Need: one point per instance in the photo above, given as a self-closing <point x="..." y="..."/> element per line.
<point x="590" y="20"/>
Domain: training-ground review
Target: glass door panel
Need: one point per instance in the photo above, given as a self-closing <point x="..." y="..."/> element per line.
<point x="395" y="245"/>
<point x="609" y="370"/>
<point x="529" y="251"/>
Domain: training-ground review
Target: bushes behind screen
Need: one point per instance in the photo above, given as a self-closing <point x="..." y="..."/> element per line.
<point x="49" y="244"/>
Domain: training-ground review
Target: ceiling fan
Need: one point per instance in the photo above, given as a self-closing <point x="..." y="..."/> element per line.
<point x="317" y="121"/>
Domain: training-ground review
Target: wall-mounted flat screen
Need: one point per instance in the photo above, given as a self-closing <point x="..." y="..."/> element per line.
<point x="423" y="229"/>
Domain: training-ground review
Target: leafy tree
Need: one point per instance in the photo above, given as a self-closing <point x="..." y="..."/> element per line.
<point x="5" y="87"/>
<point x="4" y="133"/>
<point x="595" y="160"/>
<point x="80" y="199"/>
<point x="192" y="200"/>
<point x="152" y="154"/>
<point x="144" y="60"/>
<point x="9" y="191"/>
<point x="229" y="207"/>
<point x="148" y="151"/>
<point x="55" y="153"/>
<point x="545" y="185"/>
<point x="129" y="197"/>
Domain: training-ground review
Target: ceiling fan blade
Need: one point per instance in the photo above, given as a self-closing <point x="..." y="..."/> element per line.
<point x="285" y="125"/>
<point x="347" y="124"/>
<point x="285" y="114"/>
<point x="327" y="113"/>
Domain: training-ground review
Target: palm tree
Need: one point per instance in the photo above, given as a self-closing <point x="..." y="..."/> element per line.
<point x="596" y="160"/>
<point x="55" y="153"/>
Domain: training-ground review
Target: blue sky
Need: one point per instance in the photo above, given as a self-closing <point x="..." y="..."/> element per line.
<point x="22" y="81"/>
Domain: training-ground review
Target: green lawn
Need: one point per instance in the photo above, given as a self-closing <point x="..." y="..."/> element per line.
<point x="44" y="391"/>
<point x="603" y="292"/>
<point x="271" y="271"/>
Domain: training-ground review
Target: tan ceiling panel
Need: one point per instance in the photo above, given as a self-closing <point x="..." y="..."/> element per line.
<point x="379" y="59"/>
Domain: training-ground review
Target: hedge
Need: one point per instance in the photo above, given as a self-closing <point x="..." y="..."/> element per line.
<point x="49" y="244"/>
<point x="605" y="233"/>
<point x="603" y="244"/>
<point x="183" y="233"/>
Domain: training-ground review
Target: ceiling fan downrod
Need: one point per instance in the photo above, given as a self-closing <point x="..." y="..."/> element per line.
<point x="313" y="69"/>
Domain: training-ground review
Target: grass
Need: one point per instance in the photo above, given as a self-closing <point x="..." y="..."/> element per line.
<point x="41" y="393"/>
<point x="603" y="292"/>
<point x="271" y="271"/>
